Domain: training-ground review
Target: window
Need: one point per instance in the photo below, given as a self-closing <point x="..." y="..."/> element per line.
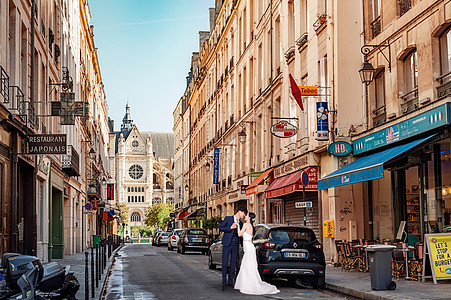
<point x="410" y="72"/>
<point x="135" y="217"/>
<point x="135" y="144"/>
<point x="170" y="200"/>
<point x="380" y="89"/>
<point x="445" y="55"/>
<point x="135" y="172"/>
<point x="376" y="8"/>
<point x="128" y="198"/>
<point x="156" y="200"/>
<point x="128" y="189"/>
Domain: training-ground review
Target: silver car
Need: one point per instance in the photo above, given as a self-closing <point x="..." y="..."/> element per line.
<point x="173" y="238"/>
<point x="162" y="239"/>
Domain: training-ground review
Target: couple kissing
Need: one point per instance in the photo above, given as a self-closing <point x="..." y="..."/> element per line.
<point x="248" y="280"/>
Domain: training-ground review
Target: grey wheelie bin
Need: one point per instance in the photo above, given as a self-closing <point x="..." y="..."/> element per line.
<point x="380" y="257"/>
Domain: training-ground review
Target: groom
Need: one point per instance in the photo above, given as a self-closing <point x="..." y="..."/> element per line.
<point x="230" y="244"/>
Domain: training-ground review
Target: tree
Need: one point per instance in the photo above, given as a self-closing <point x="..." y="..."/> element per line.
<point x="158" y="215"/>
<point x="123" y="215"/>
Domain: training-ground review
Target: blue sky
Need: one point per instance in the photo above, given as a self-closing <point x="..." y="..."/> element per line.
<point x="144" y="49"/>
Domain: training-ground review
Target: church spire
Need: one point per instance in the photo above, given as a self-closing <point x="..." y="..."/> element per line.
<point x="127" y="122"/>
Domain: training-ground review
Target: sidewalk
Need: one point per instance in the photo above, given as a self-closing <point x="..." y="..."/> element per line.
<point x="357" y="284"/>
<point x="77" y="265"/>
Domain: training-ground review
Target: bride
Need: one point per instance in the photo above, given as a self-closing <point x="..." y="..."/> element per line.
<point x="248" y="280"/>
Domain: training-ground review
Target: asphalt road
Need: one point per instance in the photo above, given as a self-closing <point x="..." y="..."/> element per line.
<point x="142" y="271"/>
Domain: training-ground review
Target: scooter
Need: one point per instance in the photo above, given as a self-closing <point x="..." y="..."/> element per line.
<point x="26" y="278"/>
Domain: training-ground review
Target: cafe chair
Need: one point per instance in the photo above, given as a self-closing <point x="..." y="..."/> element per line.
<point x="340" y="253"/>
<point x="399" y="261"/>
<point x="356" y="257"/>
<point x="416" y="262"/>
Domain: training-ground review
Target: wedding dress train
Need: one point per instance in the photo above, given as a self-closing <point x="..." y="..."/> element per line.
<point x="248" y="280"/>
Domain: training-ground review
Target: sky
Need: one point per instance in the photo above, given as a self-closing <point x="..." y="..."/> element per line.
<point x="144" y="50"/>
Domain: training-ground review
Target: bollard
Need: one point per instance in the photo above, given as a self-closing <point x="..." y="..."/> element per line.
<point x="86" y="276"/>
<point x="97" y="265"/>
<point x="92" y="274"/>
<point x="104" y="253"/>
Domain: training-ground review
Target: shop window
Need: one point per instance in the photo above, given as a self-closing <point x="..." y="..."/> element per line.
<point x="445" y="56"/>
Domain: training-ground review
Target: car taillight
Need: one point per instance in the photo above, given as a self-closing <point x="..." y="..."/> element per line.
<point x="266" y="270"/>
<point x="173" y="237"/>
<point x="268" y="245"/>
<point x="186" y="240"/>
<point x="318" y="246"/>
<point x="207" y="240"/>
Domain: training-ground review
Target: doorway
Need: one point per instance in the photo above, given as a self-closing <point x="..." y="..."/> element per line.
<point x="56" y="250"/>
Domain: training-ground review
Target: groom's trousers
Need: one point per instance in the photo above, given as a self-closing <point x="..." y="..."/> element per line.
<point x="232" y="252"/>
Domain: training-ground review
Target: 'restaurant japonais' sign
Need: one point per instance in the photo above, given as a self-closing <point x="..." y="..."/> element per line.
<point x="47" y="144"/>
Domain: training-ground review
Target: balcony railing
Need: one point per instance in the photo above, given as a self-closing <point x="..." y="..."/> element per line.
<point x="4" y="85"/>
<point x="444" y="90"/>
<point x="71" y="162"/>
<point x="411" y="102"/>
<point x="94" y="188"/>
<point x="289" y="53"/>
<point x="404" y="6"/>
<point x="376" y="26"/>
<point x="320" y="23"/>
<point x="380" y="116"/>
<point x="300" y="42"/>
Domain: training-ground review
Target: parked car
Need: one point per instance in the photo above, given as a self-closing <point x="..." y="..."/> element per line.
<point x="174" y="238"/>
<point x="162" y="239"/>
<point x="155" y="237"/>
<point x="215" y="254"/>
<point x="193" y="239"/>
<point x="291" y="252"/>
<point x="128" y="239"/>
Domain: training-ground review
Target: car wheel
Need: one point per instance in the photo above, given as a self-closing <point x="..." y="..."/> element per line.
<point x="318" y="282"/>
<point x="211" y="265"/>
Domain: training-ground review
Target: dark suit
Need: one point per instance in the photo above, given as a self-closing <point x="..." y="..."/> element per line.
<point x="230" y="247"/>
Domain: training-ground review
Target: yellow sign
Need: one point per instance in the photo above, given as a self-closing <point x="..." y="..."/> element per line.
<point x="439" y="250"/>
<point x="309" y="90"/>
<point x="329" y="229"/>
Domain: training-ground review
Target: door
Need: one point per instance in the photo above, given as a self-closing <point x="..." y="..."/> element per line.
<point x="56" y="225"/>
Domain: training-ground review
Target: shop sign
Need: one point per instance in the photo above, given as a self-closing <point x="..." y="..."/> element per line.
<point x="308" y="90"/>
<point x="322" y="121"/>
<point x="340" y="148"/>
<point x="110" y="191"/>
<point x="292" y="166"/>
<point x="283" y="129"/>
<point x="438" y="246"/>
<point x="47" y="144"/>
<point x="426" y="121"/>
<point x="216" y="166"/>
<point x="303" y="204"/>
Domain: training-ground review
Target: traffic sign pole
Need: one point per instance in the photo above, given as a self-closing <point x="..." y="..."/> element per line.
<point x="304" y="177"/>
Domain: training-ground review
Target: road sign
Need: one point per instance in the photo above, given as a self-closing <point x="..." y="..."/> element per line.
<point x="303" y="204"/>
<point x="304" y="178"/>
<point x="88" y="206"/>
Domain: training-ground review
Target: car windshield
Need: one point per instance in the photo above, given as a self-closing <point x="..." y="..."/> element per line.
<point x="287" y="235"/>
<point x="196" y="231"/>
<point x="179" y="232"/>
<point x="165" y="234"/>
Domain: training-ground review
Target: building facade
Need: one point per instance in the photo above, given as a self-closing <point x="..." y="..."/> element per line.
<point x="142" y="167"/>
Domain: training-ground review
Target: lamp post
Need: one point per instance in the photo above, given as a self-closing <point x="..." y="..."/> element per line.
<point x="123" y="233"/>
<point x="367" y="73"/>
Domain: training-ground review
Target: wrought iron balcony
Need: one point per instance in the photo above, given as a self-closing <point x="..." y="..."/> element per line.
<point x="444" y="90"/>
<point x="300" y="42"/>
<point x="411" y="102"/>
<point x="71" y="162"/>
<point x="289" y="53"/>
<point x="376" y="26"/>
<point x="404" y="6"/>
<point x="380" y="116"/>
<point x="320" y="23"/>
<point x="4" y="85"/>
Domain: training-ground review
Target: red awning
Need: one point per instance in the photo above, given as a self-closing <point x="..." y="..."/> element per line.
<point x="292" y="183"/>
<point x="252" y="188"/>
<point x="182" y="214"/>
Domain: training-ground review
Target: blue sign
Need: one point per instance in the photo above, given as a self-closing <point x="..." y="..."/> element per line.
<point x="304" y="177"/>
<point x="340" y="148"/>
<point x="322" y="121"/>
<point x="428" y="120"/>
<point x="216" y="166"/>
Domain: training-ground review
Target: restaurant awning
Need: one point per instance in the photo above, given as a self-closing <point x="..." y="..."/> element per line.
<point x="253" y="187"/>
<point x="366" y="168"/>
<point x="182" y="214"/>
<point x="196" y="215"/>
<point x="284" y="185"/>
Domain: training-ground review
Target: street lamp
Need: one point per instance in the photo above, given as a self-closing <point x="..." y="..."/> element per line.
<point x="367" y="73"/>
<point x="92" y="153"/>
<point x="186" y="188"/>
<point x="207" y="167"/>
<point x="242" y="136"/>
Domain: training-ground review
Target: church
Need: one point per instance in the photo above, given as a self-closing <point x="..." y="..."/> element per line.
<point x="141" y="167"/>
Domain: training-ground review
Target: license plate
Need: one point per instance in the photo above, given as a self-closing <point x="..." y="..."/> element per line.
<point x="197" y="240"/>
<point x="294" y="254"/>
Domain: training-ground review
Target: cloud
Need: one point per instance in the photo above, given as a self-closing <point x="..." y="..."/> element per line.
<point x="168" y="20"/>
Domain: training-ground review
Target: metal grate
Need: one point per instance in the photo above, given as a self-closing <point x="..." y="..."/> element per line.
<point x="404" y="6"/>
<point x="4" y="85"/>
<point x="376" y="27"/>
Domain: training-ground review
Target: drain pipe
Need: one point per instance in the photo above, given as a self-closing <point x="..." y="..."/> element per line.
<point x="365" y="88"/>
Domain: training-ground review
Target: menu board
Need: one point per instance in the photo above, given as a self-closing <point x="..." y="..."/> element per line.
<point x="438" y="248"/>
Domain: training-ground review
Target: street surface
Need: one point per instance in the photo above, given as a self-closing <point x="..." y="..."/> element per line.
<point x="142" y="271"/>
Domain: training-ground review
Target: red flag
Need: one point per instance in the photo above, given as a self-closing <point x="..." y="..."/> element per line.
<point x="296" y="92"/>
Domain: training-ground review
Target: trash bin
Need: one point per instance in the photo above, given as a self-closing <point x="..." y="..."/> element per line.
<point x="380" y="257"/>
<point x="96" y="239"/>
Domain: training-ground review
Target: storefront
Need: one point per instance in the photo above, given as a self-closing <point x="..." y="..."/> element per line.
<point x="291" y="202"/>
<point x="401" y="184"/>
<point x="256" y="192"/>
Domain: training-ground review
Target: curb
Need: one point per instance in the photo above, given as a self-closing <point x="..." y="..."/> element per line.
<point x="354" y="293"/>
<point x="113" y="258"/>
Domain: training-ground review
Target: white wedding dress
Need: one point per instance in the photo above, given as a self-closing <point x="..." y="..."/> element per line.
<point x="248" y="280"/>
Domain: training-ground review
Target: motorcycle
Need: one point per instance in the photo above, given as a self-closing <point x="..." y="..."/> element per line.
<point x="26" y="278"/>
